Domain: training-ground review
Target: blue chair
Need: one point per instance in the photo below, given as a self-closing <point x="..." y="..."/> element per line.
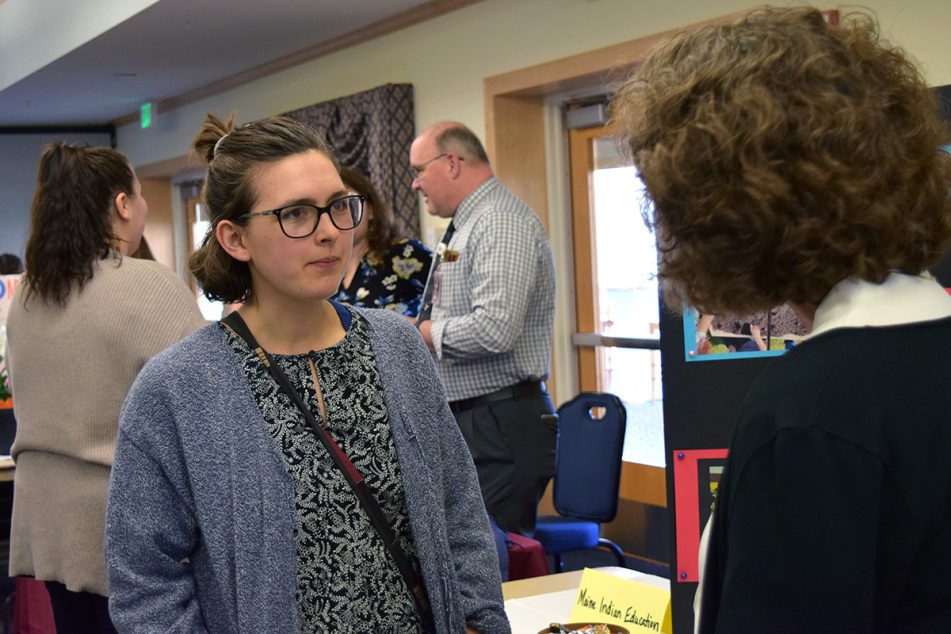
<point x="587" y="476"/>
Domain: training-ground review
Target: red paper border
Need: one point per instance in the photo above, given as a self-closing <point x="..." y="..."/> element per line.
<point x="687" y="508"/>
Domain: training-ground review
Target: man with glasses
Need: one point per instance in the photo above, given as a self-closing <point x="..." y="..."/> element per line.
<point x="487" y="315"/>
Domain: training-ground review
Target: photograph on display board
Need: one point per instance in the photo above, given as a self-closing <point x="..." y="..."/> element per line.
<point x="697" y="475"/>
<point x="709" y="471"/>
<point x="709" y="337"/>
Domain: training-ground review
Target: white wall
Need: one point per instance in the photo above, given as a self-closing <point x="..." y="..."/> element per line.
<point x="447" y="58"/>
<point x="19" y="156"/>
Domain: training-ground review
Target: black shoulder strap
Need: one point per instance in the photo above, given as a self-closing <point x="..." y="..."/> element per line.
<point x="235" y="322"/>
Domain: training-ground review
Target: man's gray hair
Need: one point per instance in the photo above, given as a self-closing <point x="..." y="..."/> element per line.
<point x="463" y="141"/>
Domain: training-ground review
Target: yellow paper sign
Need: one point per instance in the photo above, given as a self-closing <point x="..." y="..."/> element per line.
<point x="604" y="598"/>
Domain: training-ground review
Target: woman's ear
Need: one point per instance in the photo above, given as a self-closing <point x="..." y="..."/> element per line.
<point x="231" y="238"/>
<point x="121" y="203"/>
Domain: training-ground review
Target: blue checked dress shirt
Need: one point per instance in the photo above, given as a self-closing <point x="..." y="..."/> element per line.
<point x="493" y="312"/>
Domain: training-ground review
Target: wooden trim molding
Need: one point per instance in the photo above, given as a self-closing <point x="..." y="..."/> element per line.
<point x="601" y="67"/>
<point x="644" y="483"/>
<point x="585" y="264"/>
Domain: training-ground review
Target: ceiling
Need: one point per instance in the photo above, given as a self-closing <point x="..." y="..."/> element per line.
<point x="176" y="48"/>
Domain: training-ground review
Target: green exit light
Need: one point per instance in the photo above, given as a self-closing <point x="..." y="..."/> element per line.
<point x="145" y="115"/>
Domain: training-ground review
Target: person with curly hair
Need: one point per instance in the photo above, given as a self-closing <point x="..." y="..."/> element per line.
<point x="84" y="320"/>
<point x="294" y="467"/>
<point x="384" y="270"/>
<point x="791" y="161"/>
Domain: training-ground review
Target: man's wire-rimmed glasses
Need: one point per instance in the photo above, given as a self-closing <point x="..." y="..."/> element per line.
<point x="418" y="169"/>
<point x="300" y="219"/>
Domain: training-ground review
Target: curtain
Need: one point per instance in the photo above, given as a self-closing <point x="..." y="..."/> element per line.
<point x="371" y="131"/>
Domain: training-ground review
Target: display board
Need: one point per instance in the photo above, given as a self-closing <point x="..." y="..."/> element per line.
<point x="701" y="402"/>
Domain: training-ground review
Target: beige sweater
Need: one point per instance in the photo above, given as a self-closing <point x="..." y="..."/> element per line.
<point x="70" y="369"/>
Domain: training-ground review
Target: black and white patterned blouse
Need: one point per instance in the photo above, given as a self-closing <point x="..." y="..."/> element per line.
<point x="347" y="581"/>
<point x="394" y="282"/>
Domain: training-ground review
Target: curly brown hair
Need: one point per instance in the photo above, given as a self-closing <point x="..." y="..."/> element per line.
<point x="781" y="155"/>
<point x="382" y="231"/>
<point x="71" y="218"/>
<point x="232" y="154"/>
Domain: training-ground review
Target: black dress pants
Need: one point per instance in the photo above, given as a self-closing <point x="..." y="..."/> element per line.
<point x="79" y="612"/>
<point x="513" y="448"/>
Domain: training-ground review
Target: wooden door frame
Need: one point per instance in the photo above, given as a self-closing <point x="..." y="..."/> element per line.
<point x="641" y="483"/>
<point x="583" y="250"/>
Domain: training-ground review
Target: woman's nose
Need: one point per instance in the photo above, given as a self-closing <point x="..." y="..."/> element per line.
<point x="326" y="230"/>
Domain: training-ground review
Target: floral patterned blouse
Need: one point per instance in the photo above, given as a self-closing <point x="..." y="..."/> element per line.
<point x="347" y="580"/>
<point x="395" y="283"/>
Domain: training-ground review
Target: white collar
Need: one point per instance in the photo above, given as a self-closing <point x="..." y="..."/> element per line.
<point x="900" y="299"/>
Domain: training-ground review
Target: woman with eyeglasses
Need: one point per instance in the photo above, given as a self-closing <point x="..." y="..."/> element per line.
<point x="294" y="468"/>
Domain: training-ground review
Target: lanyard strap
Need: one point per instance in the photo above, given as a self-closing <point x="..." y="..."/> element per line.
<point x="426" y="305"/>
<point x="235" y="322"/>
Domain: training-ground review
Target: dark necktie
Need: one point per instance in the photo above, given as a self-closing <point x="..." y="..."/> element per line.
<point x="426" y="307"/>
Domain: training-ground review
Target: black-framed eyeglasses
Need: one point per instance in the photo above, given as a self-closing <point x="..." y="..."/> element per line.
<point x="300" y="219"/>
<point x="418" y="169"/>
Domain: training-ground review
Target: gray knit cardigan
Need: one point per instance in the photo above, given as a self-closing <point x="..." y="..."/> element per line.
<point x="200" y="528"/>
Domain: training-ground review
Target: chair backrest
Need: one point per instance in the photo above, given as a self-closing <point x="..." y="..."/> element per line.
<point x="588" y="457"/>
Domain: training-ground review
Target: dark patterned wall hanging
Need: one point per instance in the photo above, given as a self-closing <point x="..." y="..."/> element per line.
<point x="371" y="131"/>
